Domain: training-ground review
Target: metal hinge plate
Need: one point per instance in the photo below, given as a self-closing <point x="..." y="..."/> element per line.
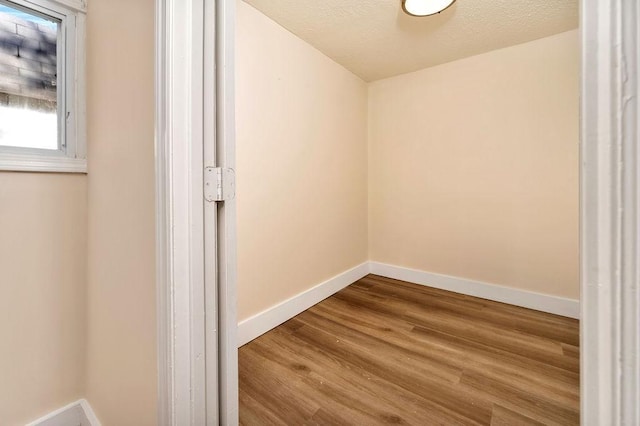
<point x="219" y="184"/>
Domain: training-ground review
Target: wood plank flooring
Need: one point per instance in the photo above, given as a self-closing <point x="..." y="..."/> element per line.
<point x="383" y="351"/>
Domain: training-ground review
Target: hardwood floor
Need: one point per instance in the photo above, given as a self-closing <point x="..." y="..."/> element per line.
<point x="384" y="351"/>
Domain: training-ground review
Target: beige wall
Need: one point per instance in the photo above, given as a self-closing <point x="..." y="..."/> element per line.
<point x="301" y="160"/>
<point x="121" y="350"/>
<point x="43" y="239"/>
<point x="473" y="170"/>
<point x="474" y="167"/>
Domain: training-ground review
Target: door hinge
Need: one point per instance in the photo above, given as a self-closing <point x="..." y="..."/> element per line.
<point x="219" y="184"/>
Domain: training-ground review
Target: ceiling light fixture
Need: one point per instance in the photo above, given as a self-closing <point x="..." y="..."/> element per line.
<point x="425" y="7"/>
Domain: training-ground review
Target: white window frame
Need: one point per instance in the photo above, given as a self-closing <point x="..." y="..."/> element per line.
<point x="71" y="157"/>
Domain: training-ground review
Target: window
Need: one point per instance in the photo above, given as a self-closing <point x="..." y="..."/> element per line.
<point x="42" y="85"/>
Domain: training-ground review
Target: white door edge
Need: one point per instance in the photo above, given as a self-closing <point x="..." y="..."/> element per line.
<point x="227" y="239"/>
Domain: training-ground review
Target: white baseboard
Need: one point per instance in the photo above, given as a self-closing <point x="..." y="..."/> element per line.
<point x="527" y="299"/>
<point x="266" y="320"/>
<point x="260" y="323"/>
<point x="89" y="415"/>
<point x="77" y="413"/>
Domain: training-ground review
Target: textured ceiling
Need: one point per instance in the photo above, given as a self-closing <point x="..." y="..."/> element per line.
<point x="375" y="39"/>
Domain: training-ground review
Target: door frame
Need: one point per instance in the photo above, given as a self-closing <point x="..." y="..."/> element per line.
<point x="195" y="128"/>
<point x="609" y="211"/>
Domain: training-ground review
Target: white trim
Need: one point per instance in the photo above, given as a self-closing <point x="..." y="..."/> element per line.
<point x="182" y="391"/>
<point x="41" y="163"/>
<point x="210" y="218"/>
<point x="270" y="318"/>
<point x="197" y="350"/>
<point x="79" y="5"/>
<point x="89" y="415"/>
<point x="610" y="246"/>
<point x="78" y="413"/>
<point x="227" y="240"/>
<point x="74" y="5"/>
<point x="513" y="296"/>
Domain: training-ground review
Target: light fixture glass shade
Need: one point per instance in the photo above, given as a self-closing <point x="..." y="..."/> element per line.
<point x="425" y="7"/>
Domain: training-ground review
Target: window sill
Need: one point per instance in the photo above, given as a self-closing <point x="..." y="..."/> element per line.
<point x="40" y="163"/>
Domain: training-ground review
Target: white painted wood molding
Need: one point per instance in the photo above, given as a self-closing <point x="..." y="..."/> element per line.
<point x="610" y="326"/>
<point x="78" y="413"/>
<point x="225" y="156"/>
<point x="268" y="319"/>
<point x="39" y="163"/>
<point x="182" y="390"/>
<point x="272" y="317"/>
<point x="513" y="296"/>
<point x="195" y="239"/>
<point x="79" y="5"/>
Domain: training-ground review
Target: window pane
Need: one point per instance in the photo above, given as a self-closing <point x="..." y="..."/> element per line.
<point x="28" y="79"/>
